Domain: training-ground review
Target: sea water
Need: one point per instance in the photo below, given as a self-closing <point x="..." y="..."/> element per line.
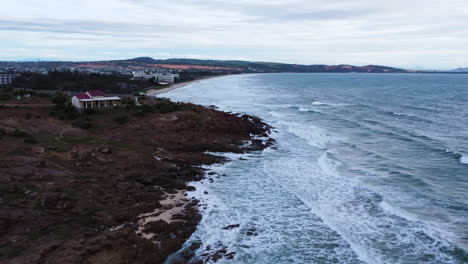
<point x="367" y="168"/>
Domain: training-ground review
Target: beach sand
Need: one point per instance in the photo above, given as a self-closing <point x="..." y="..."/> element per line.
<point x="156" y="92"/>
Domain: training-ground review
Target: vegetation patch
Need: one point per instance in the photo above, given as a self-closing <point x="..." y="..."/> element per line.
<point x="121" y="119"/>
<point x="30" y="140"/>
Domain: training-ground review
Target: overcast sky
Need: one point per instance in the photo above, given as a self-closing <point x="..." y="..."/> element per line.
<point x="402" y="33"/>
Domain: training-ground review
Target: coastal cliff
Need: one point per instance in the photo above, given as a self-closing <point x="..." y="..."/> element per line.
<point x="108" y="186"/>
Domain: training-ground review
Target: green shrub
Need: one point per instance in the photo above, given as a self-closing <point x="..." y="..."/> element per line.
<point x="89" y="111"/>
<point x="139" y="114"/>
<point x="166" y="106"/>
<point x="147" y="109"/>
<point x="121" y="119"/>
<point x="5" y="96"/>
<point x="85" y="125"/>
<point x="30" y="140"/>
<point x="19" y="133"/>
<point x="128" y="102"/>
<point x="59" y="99"/>
<point x="70" y="112"/>
<point x="82" y="122"/>
<point x="64" y="112"/>
<point x="20" y="92"/>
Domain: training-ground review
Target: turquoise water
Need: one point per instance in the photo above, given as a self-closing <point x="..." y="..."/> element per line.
<point x="368" y="168"/>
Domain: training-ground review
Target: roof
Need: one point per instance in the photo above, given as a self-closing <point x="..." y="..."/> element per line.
<point x="101" y="99"/>
<point x="82" y="96"/>
<point x="96" y="93"/>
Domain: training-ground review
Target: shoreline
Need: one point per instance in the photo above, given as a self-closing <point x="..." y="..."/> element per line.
<point x="156" y="92"/>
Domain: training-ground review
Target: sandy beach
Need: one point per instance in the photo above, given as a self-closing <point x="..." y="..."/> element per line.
<point x="155" y="92"/>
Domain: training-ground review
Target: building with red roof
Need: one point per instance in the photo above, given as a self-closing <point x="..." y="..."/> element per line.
<point x="96" y="93"/>
<point x="94" y="99"/>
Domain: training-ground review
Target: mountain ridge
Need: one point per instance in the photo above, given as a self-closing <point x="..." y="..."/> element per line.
<point x="260" y="66"/>
<point x="465" y="69"/>
<point x="207" y="65"/>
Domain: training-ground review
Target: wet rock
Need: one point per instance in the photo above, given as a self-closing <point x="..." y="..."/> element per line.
<point x="216" y="252"/>
<point x="231" y="226"/>
<point x="249" y="231"/>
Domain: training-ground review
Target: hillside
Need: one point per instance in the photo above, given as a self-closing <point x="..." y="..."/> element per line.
<point x="249" y="66"/>
<point x="195" y="65"/>
<point x="461" y="69"/>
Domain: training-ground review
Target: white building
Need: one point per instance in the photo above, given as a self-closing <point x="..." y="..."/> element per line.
<point x="7" y="78"/>
<point x="142" y="74"/>
<point x="165" y="78"/>
<point x="94" y="99"/>
<point x="159" y="77"/>
<point x="168" y="78"/>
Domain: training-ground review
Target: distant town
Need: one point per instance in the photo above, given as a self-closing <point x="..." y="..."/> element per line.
<point x="115" y="77"/>
<point x="133" y="75"/>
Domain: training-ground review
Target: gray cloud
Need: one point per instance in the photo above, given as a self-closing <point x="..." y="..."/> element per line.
<point x="268" y="12"/>
<point x="423" y="32"/>
<point x="100" y="28"/>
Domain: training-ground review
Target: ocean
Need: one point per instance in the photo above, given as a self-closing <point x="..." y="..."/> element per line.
<point x="367" y="168"/>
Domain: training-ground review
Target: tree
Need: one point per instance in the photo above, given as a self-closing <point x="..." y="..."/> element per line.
<point x="59" y="99"/>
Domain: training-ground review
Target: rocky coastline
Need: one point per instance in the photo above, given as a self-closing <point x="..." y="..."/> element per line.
<point x="106" y="191"/>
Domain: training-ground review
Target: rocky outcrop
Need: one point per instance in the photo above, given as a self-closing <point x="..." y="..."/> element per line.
<point x="112" y="193"/>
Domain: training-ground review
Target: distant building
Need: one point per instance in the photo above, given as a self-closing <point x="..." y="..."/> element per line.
<point x="94" y="99"/>
<point x="167" y="78"/>
<point x="159" y="77"/>
<point x="142" y="74"/>
<point x="7" y="78"/>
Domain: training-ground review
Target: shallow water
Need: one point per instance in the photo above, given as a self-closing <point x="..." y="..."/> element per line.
<point x="368" y="168"/>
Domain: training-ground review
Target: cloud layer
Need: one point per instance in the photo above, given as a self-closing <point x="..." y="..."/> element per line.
<point x="429" y="33"/>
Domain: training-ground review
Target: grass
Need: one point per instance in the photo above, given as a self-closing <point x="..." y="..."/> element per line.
<point x="19" y="133"/>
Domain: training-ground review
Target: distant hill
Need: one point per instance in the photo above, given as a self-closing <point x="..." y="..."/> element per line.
<point x="250" y="66"/>
<point x="221" y="66"/>
<point x="461" y="70"/>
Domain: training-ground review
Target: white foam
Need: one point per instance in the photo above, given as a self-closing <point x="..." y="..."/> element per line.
<point x="328" y="103"/>
<point x="302" y="109"/>
<point x="292" y="229"/>
<point x="318" y="103"/>
<point x="313" y="135"/>
<point x="464" y="159"/>
<point x="327" y="165"/>
<point x="358" y="214"/>
<point x="276" y="114"/>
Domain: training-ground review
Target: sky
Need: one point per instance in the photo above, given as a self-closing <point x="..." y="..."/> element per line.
<point x="414" y="34"/>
